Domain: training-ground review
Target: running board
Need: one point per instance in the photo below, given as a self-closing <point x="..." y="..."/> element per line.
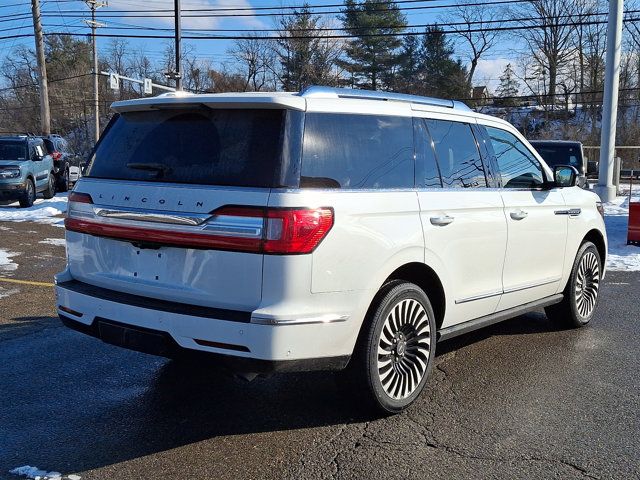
<point x="471" y="325"/>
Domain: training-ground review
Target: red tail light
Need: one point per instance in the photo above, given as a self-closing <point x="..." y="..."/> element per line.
<point x="296" y="230"/>
<point x="80" y="197"/>
<point x="279" y="231"/>
<point x="56" y="155"/>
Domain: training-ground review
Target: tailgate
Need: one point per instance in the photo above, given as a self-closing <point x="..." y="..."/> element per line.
<point x="151" y="264"/>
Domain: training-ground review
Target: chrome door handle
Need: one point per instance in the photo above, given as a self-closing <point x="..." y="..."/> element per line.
<point x="441" y="221"/>
<point x="519" y="215"/>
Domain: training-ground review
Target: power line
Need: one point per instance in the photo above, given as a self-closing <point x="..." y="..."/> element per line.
<point x="312" y="7"/>
<point x="126" y="26"/>
<point x="234" y="13"/>
<point x="26" y="85"/>
<point x="347" y="36"/>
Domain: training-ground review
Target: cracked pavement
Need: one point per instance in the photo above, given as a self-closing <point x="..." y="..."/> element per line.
<point x="518" y="400"/>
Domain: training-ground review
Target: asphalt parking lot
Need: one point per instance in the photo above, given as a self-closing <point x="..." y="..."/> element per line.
<point x="518" y="400"/>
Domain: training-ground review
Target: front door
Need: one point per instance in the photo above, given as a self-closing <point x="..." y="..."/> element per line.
<point x="537" y="228"/>
<point x="462" y="219"/>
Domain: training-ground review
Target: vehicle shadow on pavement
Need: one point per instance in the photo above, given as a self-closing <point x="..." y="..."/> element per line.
<point x="17" y="327"/>
<point x="531" y="323"/>
<point x="92" y="405"/>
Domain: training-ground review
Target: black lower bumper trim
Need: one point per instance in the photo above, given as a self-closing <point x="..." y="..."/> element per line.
<point x="156" y="304"/>
<point x="159" y="343"/>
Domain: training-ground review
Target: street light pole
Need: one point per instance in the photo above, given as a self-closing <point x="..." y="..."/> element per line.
<point x="178" y="35"/>
<point x="605" y="188"/>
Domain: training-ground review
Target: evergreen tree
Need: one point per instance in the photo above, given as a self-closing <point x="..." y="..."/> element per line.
<point x="295" y="53"/>
<point x="439" y="74"/>
<point x="409" y="62"/>
<point x="508" y="88"/>
<point x="373" y="53"/>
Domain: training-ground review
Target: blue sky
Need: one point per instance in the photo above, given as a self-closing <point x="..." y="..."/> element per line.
<point x="66" y="16"/>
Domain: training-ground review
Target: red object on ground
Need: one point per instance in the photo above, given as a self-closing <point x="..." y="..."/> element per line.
<point x="633" y="232"/>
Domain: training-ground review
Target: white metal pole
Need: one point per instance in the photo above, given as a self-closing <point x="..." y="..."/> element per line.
<point x="96" y="103"/>
<point x="605" y="187"/>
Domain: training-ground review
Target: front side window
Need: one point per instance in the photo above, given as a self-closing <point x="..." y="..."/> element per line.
<point x="357" y="151"/>
<point x="457" y="154"/>
<point x="517" y="165"/>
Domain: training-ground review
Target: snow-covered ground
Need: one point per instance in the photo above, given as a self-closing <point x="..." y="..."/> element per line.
<point x="36" y="474"/>
<point x="6" y="264"/>
<point x="60" y="242"/>
<point x="621" y="256"/>
<point x="43" y="211"/>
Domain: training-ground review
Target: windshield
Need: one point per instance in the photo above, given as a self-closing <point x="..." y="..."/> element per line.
<point x="239" y="147"/>
<point x="13" y="150"/>
<point x="560" y="155"/>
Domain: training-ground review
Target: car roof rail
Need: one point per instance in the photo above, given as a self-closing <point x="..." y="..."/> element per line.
<point x="332" y="92"/>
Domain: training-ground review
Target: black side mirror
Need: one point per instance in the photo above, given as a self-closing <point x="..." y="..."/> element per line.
<point x="565" y="176"/>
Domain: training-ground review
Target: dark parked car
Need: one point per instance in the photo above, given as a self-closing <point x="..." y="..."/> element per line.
<point x="561" y="152"/>
<point x="63" y="159"/>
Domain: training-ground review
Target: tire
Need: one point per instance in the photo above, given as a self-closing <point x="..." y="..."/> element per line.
<point x="63" y="181"/>
<point x="51" y="187"/>
<point x="402" y="324"/>
<point x="29" y="195"/>
<point x="582" y="292"/>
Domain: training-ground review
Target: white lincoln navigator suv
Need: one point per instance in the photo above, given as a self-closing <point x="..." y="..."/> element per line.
<point x="332" y="229"/>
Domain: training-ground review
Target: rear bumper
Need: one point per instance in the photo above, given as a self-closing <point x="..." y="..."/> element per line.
<point x="159" y="343"/>
<point x="172" y="329"/>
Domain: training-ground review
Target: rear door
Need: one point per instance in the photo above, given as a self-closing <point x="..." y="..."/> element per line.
<point x="155" y="215"/>
<point x="42" y="164"/>
<point x="536" y="224"/>
<point x="462" y="218"/>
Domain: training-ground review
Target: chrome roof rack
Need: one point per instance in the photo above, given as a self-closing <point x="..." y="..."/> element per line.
<point x="331" y="92"/>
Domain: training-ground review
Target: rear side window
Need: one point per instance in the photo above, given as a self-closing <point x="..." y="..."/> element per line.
<point x="518" y="167"/>
<point x="427" y="173"/>
<point x="457" y="154"/>
<point x="231" y="147"/>
<point x="13" y="150"/>
<point x="357" y="151"/>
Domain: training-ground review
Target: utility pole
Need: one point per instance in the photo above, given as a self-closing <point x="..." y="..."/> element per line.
<point x="45" y="116"/>
<point x="605" y="188"/>
<point x="94" y="5"/>
<point x="176" y="74"/>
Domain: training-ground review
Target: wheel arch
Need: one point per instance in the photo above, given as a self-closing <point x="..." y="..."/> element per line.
<point x="427" y="279"/>
<point x="597" y="238"/>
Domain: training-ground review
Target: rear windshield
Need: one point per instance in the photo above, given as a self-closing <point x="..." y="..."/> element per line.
<point x="13" y="150"/>
<point x="560" y="155"/>
<point x="239" y="147"/>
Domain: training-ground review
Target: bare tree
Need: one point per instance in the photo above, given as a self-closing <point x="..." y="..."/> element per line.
<point x="254" y="57"/>
<point x="550" y="36"/>
<point x="478" y="29"/>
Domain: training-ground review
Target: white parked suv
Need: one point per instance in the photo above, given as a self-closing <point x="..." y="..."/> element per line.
<point x="331" y="229"/>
